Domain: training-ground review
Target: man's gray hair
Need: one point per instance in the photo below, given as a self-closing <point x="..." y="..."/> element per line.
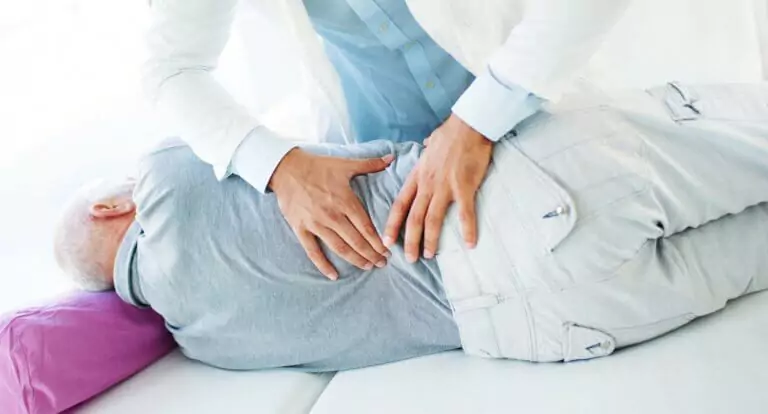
<point x="75" y="235"/>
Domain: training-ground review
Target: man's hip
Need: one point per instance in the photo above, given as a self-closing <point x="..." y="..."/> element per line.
<point x="570" y="262"/>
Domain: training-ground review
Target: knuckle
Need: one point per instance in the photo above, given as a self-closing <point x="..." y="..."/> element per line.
<point x="358" y="245"/>
<point x="358" y="260"/>
<point x="369" y="229"/>
<point x="415" y="221"/>
<point x="370" y="254"/>
<point x="434" y="222"/>
<point x="398" y="205"/>
<point x="343" y="249"/>
<point x="333" y="215"/>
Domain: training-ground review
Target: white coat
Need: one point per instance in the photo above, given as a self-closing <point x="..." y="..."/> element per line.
<point x="540" y="45"/>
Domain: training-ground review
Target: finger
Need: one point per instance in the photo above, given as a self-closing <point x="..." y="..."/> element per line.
<point x="363" y="224"/>
<point x="426" y="142"/>
<point x="351" y="236"/>
<point x="370" y="165"/>
<point x="468" y="218"/>
<point x="434" y="222"/>
<point x="337" y="245"/>
<point x="414" y="226"/>
<point x="399" y="210"/>
<point x="316" y="255"/>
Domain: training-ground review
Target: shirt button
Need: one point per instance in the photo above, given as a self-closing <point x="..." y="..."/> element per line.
<point x="384" y="27"/>
<point x="429" y="85"/>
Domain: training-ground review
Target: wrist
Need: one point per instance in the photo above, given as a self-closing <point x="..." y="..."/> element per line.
<point x="466" y="132"/>
<point x="284" y="169"/>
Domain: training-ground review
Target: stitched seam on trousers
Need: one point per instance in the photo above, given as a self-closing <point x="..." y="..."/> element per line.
<point x="533" y="350"/>
<point x="535" y="122"/>
<point x="522" y="296"/>
<point x="476" y="279"/>
<point x="571" y="147"/>
<point x="488" y="310"/>
<point x="546" y="253"/>
<point x="643" y="156"/>
<point x="545" y="184"/>
<point x="595" y="214"/>
<point x="544" y="179"/>
<point x="680" y="320"/>
<point x="614" y="132"/>
<point x="686" y="315"/>
<point x="614" y="273"/>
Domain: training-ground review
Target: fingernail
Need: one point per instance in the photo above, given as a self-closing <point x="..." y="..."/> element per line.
<point x="388" y="158"/>
<point x="368" y="266"/>
<point x="387" y="254"/>
<point x="470" y="245"/>
<point x="410" y="258"/>
<point x="381" y="263"/>
<point x="332" y="276"/>
<point x="428" y="254"/>
<point x="388" y="241"/>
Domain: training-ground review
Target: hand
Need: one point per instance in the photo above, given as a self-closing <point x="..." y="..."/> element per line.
<point x="315" y="197"/>
<point x="450" y="169"/>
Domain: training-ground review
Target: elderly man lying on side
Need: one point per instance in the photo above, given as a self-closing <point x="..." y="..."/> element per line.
<point x="604" y="222"/>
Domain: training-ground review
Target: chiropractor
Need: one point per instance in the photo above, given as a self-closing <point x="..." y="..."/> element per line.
<point x="383" y="76"/>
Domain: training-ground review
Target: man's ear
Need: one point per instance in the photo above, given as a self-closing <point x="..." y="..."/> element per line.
<point x="106" y="209"/>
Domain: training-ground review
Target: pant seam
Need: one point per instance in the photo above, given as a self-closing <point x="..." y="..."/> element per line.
<point x="522" y="295"/>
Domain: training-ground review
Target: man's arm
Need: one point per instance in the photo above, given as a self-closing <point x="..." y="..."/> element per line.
<point x="185" y="42"/>
<point x="554" y="41"/>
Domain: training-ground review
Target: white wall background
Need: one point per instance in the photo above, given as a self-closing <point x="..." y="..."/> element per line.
<point x="69" y="112"/>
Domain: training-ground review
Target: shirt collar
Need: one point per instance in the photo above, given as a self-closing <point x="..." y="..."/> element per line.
<point x="125" y="274"/>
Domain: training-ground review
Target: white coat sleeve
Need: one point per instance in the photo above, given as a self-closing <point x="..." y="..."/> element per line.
<point x="185" y="40"/>
<point x="554" y="41"/>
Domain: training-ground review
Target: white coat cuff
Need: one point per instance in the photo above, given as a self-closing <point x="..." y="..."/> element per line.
<point x="258" y="155"/>
<point x="492" y="108"/>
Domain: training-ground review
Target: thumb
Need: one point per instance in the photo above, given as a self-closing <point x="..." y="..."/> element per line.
<point x="370" y="165"/>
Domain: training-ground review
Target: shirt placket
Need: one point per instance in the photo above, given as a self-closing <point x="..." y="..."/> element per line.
<point x="382" y="26"/>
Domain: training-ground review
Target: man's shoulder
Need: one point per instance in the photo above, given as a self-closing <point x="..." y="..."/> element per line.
<point x="167" y="157"/>
<point x="168" y="144"/>
<point x="169" y="170"/>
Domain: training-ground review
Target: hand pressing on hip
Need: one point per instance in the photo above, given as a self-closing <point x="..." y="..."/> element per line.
<point x="315" y="197"/>
<point x="451" y="169"/>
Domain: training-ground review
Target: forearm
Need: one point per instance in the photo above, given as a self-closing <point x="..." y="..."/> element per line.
<point x="185" y="41"/>
<point x="553" y="43"/>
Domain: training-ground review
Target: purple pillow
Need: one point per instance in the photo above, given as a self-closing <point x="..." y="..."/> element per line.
<point x="57" y="356"/>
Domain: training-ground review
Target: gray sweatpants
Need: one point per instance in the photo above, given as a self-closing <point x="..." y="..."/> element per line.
<point x="612" y="220"/>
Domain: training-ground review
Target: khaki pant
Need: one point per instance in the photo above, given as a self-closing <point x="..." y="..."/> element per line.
<point x="612" y="220"/>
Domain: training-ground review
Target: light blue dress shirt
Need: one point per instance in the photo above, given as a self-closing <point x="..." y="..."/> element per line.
<point x="399" y="84"/>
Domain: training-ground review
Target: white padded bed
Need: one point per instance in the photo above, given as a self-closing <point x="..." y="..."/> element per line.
<point x="717" y="364"/>
<point x="177" y="385"/>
